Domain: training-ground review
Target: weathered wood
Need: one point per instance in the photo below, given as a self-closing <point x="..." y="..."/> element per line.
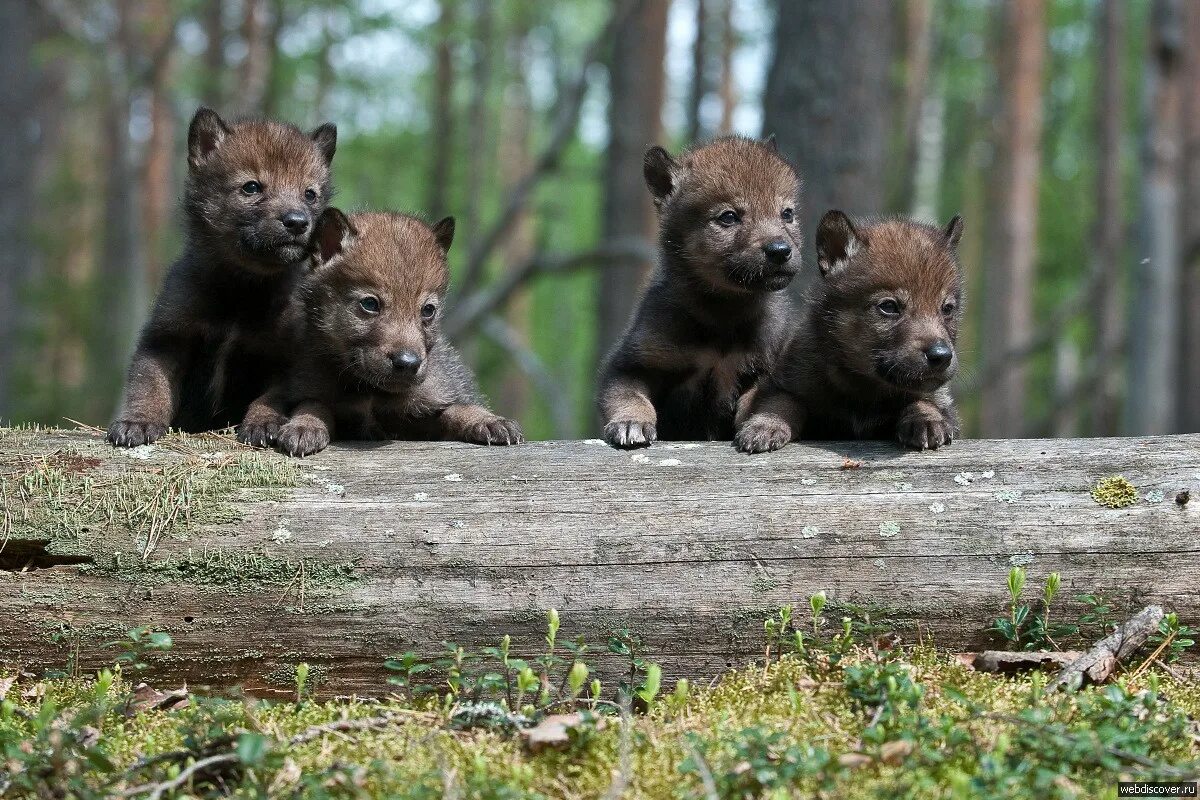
<point x="1099" y="663"/>
<point x="689" y="546"/>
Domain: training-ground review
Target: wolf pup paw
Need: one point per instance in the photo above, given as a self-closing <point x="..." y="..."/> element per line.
<point x="762" y="436"/>
<point x="924" y="430"/>
<point x="261" y="432"/>
<point x="132" y="432"/>
<point x="629" y="433"/>
<point x="497" y="430"/>
<point x="302" y="439"/>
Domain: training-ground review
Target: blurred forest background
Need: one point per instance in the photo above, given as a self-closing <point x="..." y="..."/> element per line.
<point x="1067" y="132"/>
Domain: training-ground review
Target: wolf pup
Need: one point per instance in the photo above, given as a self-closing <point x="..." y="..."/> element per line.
<point x="874" y="350"/>
<point x="253" y="192"/>
<point x="712" y="317"/>
<point x="374" y="364"/>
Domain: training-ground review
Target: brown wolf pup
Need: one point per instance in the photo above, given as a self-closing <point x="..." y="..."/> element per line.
<point x="253" y="192"/>
<point x="373" y="363"/>
<point x="874" y="350"/>
<point x="713" y="316"/>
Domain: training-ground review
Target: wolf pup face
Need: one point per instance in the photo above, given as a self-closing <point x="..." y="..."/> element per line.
<point x="893" y="299"/>
<point x="728" y="211"/>
<point x="255" y="189"/>
<point x="377" y="291"/>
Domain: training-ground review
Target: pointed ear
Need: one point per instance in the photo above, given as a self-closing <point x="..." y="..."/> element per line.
<point x="771" y="143"/>
<point x="443" y="230"/>
<point x="326" y="139"/>
<point x="954" y="231"/>
<point x="662" y="173"/>
<point x="837" y="242"/>
<point x="333" y="233"/>
<point x="205" y="135"/>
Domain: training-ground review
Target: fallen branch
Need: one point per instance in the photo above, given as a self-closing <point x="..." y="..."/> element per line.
<point x="1007" y="662"/>
<point x="1099" y="663"/>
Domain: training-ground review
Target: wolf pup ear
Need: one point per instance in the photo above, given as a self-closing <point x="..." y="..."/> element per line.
<point x="837" y="242"/>
<point x="334" y="231"/>
<point x="326" y="139"/>
<point x="662" y="173"/>
<point x="443" y="231"/>
<point x="205" y="135"/>
<point x="954" y="230"/>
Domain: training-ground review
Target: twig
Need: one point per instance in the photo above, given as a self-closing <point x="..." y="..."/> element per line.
<point x="624" y="751"/>
<point x="549" y="388"/>
<point x="474" y="308"/>
<point x="706" y="776"/>
<point x="1098" y="663"/>
<point x="157" y="790"/>
<point x="570" y="105"/>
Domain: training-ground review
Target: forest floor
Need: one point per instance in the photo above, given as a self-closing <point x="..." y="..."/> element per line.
<point x="837" y="721"/>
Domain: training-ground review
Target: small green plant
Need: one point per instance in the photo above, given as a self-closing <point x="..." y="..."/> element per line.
<point x="624" y="643"/>
<point x="817" y="603"/>
<point x="404" y="669"/>
<point x="302" y="670"/>
<point x="138" y="642"/>
<point x="775" y="630"/>
<point x="649" y="689"/>
<point x="1178" y="637"/>
<point x="1025" y="627"/>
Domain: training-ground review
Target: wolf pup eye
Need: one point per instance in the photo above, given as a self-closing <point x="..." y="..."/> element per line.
<point x="251" y="187"/>
<point x="369" y="304"/>
<point x="888" y="307"/>
<point x="310" y="195"/>
<point x="948" y="308"/>
<point x="788" y="215"/>
<point x="728" y="218"/>
<point x="428" y="311"/>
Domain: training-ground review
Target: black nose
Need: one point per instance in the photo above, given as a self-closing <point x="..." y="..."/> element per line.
<point x="938" y="355"/>
<point x="295" y="221"/>
<point x="778" y="251"/>
<point x="405" y="361"/>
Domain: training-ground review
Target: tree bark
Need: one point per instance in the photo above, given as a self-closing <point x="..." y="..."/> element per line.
<point x="437" y="203"/>
<point x="1009" y="279"/>
<point x="1109" y="228"/>
<point x="159" y="164"/>
<point x="1154" y="363"/>
<point x="255" y="69"/>
<point x="635" y="123"/>
<point x="918" y="56"/>
<point x="17" y="163"/>
<point x="400" y="546"/>
<point x="699" y="87"/>
<point x="729" y="95"/>
<point x="1189" y="382"/>
<point x="827" y="101"/>
<point x="480" y="119"/>
<point x="213" y="85"/>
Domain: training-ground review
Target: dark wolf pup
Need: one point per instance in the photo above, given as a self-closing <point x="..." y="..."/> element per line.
<point x="253" y="192"/>
<point x="373" y="363"/>
<point x="713" y="317"/>
<point x="874" y="350"/>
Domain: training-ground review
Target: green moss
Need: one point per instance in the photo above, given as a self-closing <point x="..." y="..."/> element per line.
<point x="212" y="567"/>
<point x="86" y="499"/>
<point x="1115" y="491"/>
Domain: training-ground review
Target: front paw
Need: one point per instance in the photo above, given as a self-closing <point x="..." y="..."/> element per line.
<point x="134" y="432"/>
<point x="495" y="430"/>
<point x="301" y="439"/>
<point x="260" y="433"/>
<point x="762" y="437"/>
<point x="630" y="433"/>
<point x="923" y="430"/>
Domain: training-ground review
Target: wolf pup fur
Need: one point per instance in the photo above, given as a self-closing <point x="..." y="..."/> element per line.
<point x="374" y="364"/>
<point x="253" y="192"/>
<point x="713" y="316"/>
<point x="874" y="353"/>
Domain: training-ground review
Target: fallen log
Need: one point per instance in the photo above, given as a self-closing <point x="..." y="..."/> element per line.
<point x="254" y="563"/>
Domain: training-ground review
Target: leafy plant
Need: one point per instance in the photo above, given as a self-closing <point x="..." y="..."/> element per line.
<point x="132" y="650"/>
<point x="405" y="668"/>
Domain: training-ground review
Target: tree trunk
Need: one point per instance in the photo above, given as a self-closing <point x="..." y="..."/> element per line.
<point x="276" y="91"/>
<point x="254" y="71"/>
<point x="827" y="101"/>
<point x="635" y="122"/>
<point x="480" y="119"/>
<point x="401" y="546"/>
<point x="1189" y="382"/>
<point x="17" y="163"/>
<point x="158" y="168"/>
<point x="918" y="52"/>
<point x="1109" y="228"/>
<point x="515" y="163"/>
<point x="213" y="81"/>
<point x="729" y="97"/>
<point x="442" y="133"/>
<point x="1008" y="281"/>
<point x="699" y="87"/>
<point x="1154" y="326"/>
